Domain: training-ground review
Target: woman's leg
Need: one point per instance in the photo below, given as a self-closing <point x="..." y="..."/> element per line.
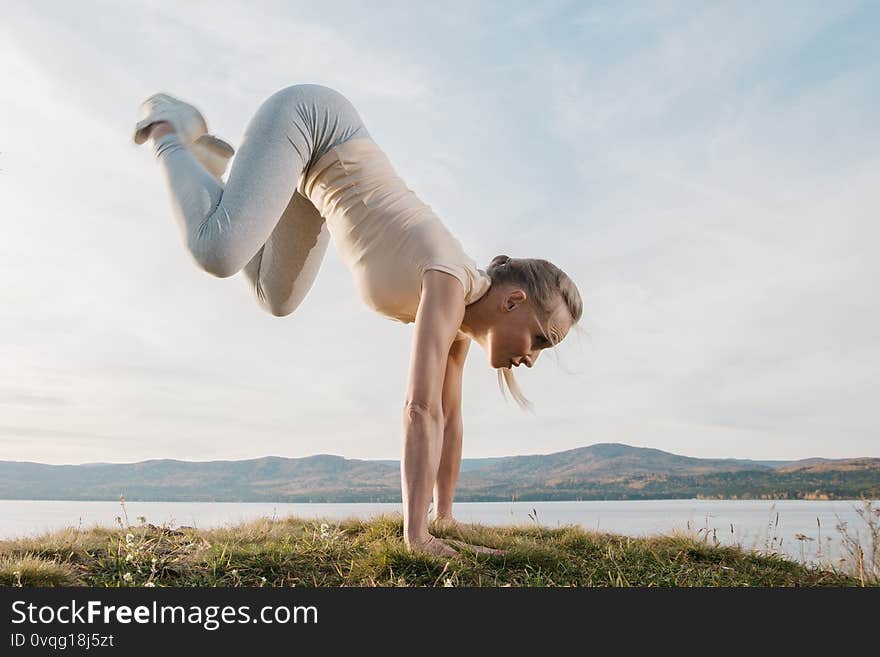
<point x="224" y="229"/>
<point x="283" y="270"/>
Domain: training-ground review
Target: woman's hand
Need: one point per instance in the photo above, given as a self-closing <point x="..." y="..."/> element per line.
<point x="433" y="545"/>
<point x="445" y="522"/>
<point x="480" y="549"/>
<point x="448" y="522"/>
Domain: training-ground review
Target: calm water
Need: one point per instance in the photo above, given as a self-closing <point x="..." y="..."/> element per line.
<point x="762" y="525"/>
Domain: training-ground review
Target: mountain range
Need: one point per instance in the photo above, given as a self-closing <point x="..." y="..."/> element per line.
<point x="600" y="471"/>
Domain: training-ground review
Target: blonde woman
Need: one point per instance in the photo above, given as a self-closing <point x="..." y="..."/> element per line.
<point x="308" y="169"/>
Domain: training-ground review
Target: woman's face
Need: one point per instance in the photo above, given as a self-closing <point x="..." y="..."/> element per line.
<point x="518" y="336"/>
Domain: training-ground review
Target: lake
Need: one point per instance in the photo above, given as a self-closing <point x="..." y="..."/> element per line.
<point x="763" y="525"/>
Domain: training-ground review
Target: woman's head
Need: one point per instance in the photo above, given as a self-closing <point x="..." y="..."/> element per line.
<point x="533" y="306"/>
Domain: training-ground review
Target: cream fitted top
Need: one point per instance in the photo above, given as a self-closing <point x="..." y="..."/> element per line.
<point x="384" y="234"/>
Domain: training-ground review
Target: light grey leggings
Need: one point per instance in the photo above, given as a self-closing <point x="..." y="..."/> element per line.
<point x="259" y="223"/>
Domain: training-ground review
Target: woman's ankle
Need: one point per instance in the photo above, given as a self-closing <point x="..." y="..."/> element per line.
<point x="160" y="128"/>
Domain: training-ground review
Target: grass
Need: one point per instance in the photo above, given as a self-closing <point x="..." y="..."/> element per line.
<point x="356" y="552"/>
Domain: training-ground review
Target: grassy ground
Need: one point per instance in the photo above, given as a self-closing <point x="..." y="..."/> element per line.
<point x="352" y="552"/>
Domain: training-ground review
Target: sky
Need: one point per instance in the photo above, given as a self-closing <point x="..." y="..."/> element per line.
<point x="708" y="174"/>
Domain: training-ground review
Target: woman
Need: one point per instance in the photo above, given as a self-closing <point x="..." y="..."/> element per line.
<point x="307" y="169"/>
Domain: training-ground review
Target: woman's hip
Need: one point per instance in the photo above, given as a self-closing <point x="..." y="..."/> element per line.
<point x="314" y="118"/>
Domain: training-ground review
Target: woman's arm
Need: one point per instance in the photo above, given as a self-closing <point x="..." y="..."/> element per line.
<point x="441" y="309"/>
<point x="450" y="458"/>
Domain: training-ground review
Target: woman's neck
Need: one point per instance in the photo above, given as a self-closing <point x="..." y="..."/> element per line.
<point x="477" y="319"/>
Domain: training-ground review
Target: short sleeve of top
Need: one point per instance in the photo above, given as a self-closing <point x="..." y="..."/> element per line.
<point x="474" y="281"/>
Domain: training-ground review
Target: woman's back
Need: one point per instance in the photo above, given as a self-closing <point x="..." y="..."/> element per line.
<point x="384" y="234"/>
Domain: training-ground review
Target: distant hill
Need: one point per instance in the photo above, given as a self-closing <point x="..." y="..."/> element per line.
<point x="600" y="471"/>
<point x="826" y="465"/>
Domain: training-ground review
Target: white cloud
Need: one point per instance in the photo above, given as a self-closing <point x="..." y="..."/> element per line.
<point x="706" y="175"/>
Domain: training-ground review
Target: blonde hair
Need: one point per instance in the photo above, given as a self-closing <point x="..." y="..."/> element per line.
<point x="546" y="284"/>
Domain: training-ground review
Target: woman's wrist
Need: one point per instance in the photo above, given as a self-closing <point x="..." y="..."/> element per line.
<point x="417" y="537"/>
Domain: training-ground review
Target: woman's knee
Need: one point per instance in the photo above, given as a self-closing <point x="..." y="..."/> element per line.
<point x="218" y="268"/>
<point x="214" y="257"/>
<point x="280" y="310"/>
<point x="273" y="305"/>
